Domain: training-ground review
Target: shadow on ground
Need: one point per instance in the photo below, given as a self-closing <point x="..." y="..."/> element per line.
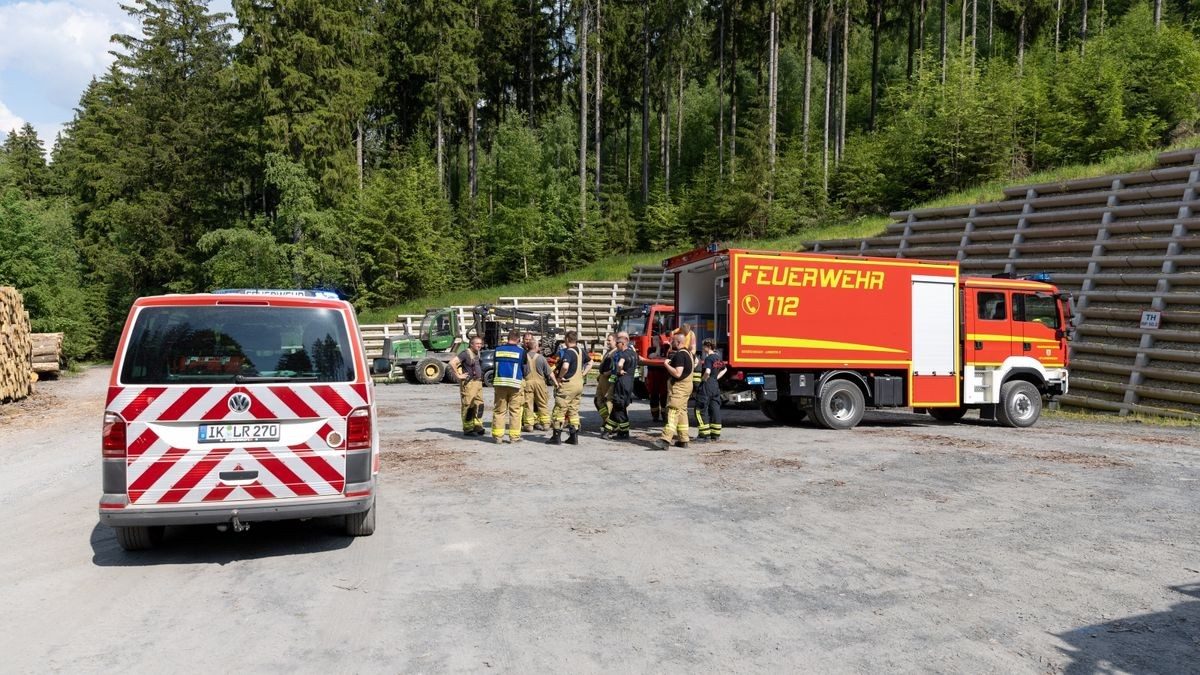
<point x="1161" y="642"/>
<point x="204" y="544"/>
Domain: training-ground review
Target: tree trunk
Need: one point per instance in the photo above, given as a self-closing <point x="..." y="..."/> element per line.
<point x="962" y="30"/>
<point x="912" y="42"/>
<point x="876" y="21"/>
<point x="1157" y="14"/>
<point x="828" y="90"/>
<point x="599" y="101"/>
<point x="532" y="23"/>
<point x="1021" y="44"/>
<point x="921" y="27"/>
<point x="721" y="96"/>
<point x="358" y="143"/>
<point x="1057" y="26"/>
<point x="562" y="51"/>
<point x="733" y="103"/>
<point x="583" y="111"/>
<point x="1083" y="12"/>
<point x="772" y="107"/>
<point x="441" y="167"/>
<point x="808" y="59"/>
<point x="679" y="121"/>
<point x="666" y="136"/>
<point x="473" y="131"/>
<point x="942" y="44"/>
<point x="841" y="147"/>
<point x="628" y="158"/>
<point x="991" y="23"/>
<point x="974" y="32"/>
<point x="645" y="104"/>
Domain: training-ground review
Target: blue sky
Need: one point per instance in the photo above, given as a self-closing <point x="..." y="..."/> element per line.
<point x="49" y="50"/>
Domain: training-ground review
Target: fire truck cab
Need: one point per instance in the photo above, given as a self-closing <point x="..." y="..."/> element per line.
<point x="829" y="336"/>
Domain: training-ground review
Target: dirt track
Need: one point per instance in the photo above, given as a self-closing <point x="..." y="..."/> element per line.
<point x="904" y="545"/>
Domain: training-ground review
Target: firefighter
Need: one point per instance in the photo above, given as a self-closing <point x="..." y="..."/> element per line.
<point x="511" y="370"/>
<point x="689" y="337"/>
<point x="572" y="366"/>
<point x="537" y="400"/>
<point x="468" y="371"/>
<point x="603" y="387"/>
<point x="679" y="367"/>
<point x="625" y="363"/>
<point x="708" y="393"/>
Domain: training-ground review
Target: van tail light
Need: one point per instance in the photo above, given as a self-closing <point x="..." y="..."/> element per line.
<point x="112" y="439"/>
<point x="358" y="429"/>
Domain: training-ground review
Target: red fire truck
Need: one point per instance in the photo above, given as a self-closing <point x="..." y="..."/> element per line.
<point x="829" y="336"/>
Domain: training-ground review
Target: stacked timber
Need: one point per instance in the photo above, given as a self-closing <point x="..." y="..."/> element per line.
<point x="47" y="352"/>
<point x="16" y="373"/>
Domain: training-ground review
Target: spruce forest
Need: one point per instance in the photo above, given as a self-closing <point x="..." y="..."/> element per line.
<point x="397" y="148"/>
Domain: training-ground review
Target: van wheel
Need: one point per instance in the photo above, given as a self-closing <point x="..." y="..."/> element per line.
<point x="139" y="538"/>
<point x="947" y="414"/>
<point x="361" y="524"/>
<point x="841" y="406"/>
<point x="1020" y="404"/>
<point x="430" y="371"/>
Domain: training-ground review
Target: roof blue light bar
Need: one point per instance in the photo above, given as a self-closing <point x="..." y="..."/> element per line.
<point x="280" y="292"/>
<point x="1040" y="276"/>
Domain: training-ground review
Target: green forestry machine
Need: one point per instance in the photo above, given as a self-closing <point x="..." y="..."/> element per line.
<point x="424" y="358"/>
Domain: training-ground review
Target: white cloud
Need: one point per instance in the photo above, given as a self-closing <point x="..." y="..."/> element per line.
<point x="8" y="120"/>
<point x="60" y="44"/>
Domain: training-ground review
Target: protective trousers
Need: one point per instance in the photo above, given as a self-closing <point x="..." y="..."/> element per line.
<point x="566" y="402"/>
<point x="603" y="398"/>
<point x="622" y="396"/>
<point x="677" y="414"/>
<point x="506" y="411"/>
<point x="708" y="409"/>
<point x="656" y="390"/>
<point x="537" y="401"/>
<point x="471" y="393"/>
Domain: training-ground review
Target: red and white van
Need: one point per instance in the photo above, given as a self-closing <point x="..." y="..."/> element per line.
<point x="238" y="406"/>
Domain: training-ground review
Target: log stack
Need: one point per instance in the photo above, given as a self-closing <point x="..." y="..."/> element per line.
<point x="47" y="353"/>
<point x="16" y="371"/>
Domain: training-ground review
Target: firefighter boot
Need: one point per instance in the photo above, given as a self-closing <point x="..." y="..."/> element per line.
<point x="556" y="437"/>
<point x="572" y="436"/>
<point x="527" y="428"/>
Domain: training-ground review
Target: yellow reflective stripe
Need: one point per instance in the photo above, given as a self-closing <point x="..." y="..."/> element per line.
<point x="988" y="337"/>
<point x="805" y="343"/>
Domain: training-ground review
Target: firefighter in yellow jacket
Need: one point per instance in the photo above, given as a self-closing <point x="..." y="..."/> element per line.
<point x="572" y="366"/>
<point x="537" y="393"/>
<point x="679" y="365"/>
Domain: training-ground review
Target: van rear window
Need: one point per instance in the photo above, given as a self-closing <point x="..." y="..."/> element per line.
<point x="174" y="345"/>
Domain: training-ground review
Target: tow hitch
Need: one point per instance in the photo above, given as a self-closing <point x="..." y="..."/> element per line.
<point x="237" y="525"/>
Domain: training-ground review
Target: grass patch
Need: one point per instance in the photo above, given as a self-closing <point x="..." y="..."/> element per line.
<point x="1079" y="415"/>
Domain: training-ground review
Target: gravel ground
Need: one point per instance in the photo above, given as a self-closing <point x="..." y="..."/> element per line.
<point x="904" y="545"/>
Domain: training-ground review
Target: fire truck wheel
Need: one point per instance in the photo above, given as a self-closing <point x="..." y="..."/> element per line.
<point x="140" y="538"/>
<point x="361" y="524"/>
<point x="841" y="405"/>
<point x="430" y="371"/>
<point x="1020" y="404"/>
<point x="947" y="414"/>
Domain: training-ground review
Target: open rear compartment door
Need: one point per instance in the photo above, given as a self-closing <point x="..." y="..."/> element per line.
<point x="934" y="374"/>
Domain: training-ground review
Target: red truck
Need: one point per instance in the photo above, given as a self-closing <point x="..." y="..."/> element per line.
<point x="830" y="336"/>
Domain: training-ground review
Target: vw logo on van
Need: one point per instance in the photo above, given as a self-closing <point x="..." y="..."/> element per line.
<point x="239" y="403"/>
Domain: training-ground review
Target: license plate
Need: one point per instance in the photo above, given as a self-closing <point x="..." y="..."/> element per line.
<point x="755" y="379"/>
<point x="238" y="433"/>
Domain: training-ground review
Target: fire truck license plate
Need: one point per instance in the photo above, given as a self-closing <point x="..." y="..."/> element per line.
<point x="238" y="433"/>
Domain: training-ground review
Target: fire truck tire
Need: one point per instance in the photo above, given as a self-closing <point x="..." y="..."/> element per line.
<point x="361" y="524"/>
<point x="430" y="371"/>
<point x="139" y="538"/>
<point x="947" y="414"/>
<point x="1020" y="404"/>
<point x="841" y="406"/>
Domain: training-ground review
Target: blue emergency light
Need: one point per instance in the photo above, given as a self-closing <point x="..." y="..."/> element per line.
<point x="1040" y="276"/>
